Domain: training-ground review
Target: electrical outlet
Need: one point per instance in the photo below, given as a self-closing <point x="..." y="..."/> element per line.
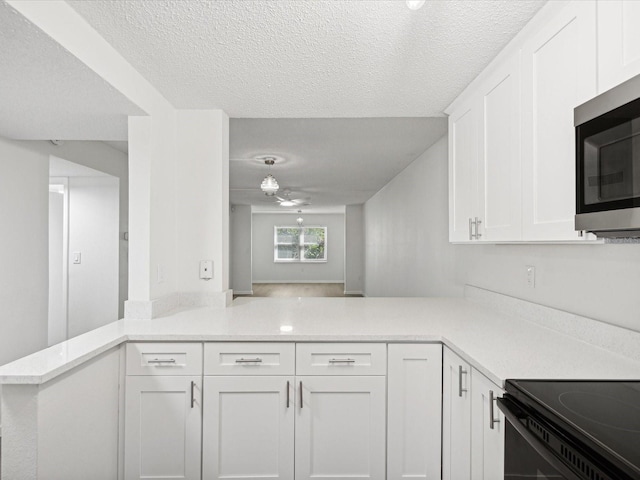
<point x="531" y="276"/>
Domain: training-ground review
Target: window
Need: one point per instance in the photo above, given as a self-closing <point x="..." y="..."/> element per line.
<point x="300" y="244"/>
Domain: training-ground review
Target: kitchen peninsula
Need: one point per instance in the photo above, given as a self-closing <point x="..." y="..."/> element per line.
<point x="63" y="407"/>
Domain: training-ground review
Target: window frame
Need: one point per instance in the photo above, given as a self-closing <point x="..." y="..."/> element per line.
<point x="301" y="244"/>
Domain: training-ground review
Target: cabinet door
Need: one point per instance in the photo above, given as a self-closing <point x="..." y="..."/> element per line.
<point x="248" y="427"/>
<point x="340" y="428"/>
<point x="456" y="417"/>
<point x="163" y="417"/>
<point x="558" y="74"/>
<point x="618" y="42"/>
<point x="499" y="168"/>
<point x="487" y="430"/>
<point x="414" y="405"/>
<point x="463" y="170"/>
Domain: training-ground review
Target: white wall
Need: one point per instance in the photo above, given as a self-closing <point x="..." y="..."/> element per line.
<point x="240" y="249"/>
<point x="93" y="231"/>
<point x="57" y="312"/>
<point x="354" y="249"/>
<point x="407" y="252"/>
<point x="24" y="216"/>
<point x="597" y="281"/>
<point x="266" y="270"/>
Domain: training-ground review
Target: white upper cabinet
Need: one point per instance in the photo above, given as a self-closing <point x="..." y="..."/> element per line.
<point x="558" y="74"/>
<point x="511" y="133"/>
<point x="463" y="171"/>
<point x="618" y="42"/>
<point x="499" y="194"/>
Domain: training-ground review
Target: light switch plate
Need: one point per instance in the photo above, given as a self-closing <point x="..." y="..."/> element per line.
<point x="77" y="258"/>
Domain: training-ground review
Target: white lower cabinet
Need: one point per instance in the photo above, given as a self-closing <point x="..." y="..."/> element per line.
<point x="163" y="423"/>
<point x="248" y="427"/>
<point x="456" y="417"/>
<point x="414" y="402"/>
<point x="487" y="429"/>
<point x="473" y="426"/>
<point x="340" y="427"/>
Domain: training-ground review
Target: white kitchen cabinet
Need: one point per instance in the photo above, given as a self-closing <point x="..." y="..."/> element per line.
<point x="463" y="170"/>
<point x="618" y="42"/>
<point x="484" y="160"/>
<point x="163" y="411"/>
<point x="558" y="74"/>
<point x="340" y="427"/>
<point x="456" y="417"/>
<point x="487" y="429"/>
<point x="414" y="403"/>
<point x="499" y="167"/>
<point x="163" y="421"/>
<point x="248" y="427"/>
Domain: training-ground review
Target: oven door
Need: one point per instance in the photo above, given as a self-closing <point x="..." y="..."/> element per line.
<point x="526" y="455"/>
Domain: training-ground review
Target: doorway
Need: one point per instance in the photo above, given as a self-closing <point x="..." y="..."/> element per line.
<point x="83" y="249"/>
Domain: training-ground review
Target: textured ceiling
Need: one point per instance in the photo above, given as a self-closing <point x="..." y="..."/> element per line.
<point x="47" y="93"/>
<point x="330" y="161"/>
<point x="309" y="58"/>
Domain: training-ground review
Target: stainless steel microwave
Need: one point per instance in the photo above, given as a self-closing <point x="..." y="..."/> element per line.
<point x="608" y="162"/>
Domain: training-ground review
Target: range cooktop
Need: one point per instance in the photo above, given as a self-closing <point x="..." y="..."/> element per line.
<point x="604" y="414"/>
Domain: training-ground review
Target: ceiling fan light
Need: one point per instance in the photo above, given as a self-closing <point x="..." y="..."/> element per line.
<point x="287" y="203"/>
<point x="299" y="220"/>
<point x="269" y="185"/>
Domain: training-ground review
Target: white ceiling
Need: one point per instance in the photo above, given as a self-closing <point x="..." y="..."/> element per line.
<point x="334" y="87"/>
<point x="309" y="58"/>
<point x="47" y="93"/>
<point x="332" y="161"/>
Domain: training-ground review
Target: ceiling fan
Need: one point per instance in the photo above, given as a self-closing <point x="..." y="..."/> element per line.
<point x="287" y="201"/>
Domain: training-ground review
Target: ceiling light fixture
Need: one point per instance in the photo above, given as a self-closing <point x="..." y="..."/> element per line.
<point x="269" y="185"/>
<point x="300" y="219"/>
<point x="415" y="4"/>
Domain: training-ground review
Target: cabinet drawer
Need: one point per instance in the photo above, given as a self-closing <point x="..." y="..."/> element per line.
<point x="164" y="359"/>
<point x="249" y="358"/>
<point x="341" y="359"/>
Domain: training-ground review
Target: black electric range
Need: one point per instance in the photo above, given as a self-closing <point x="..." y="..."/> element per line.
<point x="572" y="429"/>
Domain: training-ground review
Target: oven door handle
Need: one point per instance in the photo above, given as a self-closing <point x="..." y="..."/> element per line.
<point x="513" y="414"/>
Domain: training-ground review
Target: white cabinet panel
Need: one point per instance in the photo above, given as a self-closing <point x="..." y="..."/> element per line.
<point x="500" y="195"/>
<point x="340" y="428"/>
<point x="618" y="42"/>
<point x="248" y="427"/>
<point x="163" y="427"/>
<point x="463" y="171"/>
<point x="558" y="74"/>
<point x="456" y="417"/>
<point x="341" y="359"/>
<point x="414" y="404"/>
<point x="249" y="358"/>
<point x="487" y="430"/>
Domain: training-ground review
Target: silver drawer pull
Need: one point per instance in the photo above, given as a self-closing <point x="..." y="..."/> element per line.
<point x="159" y="360"/>
<point x="342" y="360"/>
<point x="249" y="360"/>
<point x="492" y="419"/>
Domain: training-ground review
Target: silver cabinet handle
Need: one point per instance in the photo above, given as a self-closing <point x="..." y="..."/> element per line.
<point x="477" y="223"/>
<point x="193" y="397"/>
<point x="342" y="360"/>
<point x="470" y="229"/>
<point x="461" y="372"/>
<point x="301" y="401"/>
<point x="492" y="420"/>
<point x="249" y="360"/>
<point x="287" y="393"/>
<point x="159" y="360"/>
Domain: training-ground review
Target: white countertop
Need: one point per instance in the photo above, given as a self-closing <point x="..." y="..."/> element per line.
<point x="501" y="346"/>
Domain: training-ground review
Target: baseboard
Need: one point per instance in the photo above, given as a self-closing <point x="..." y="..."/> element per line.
<point x="354" y="292"/>
<point x="243" y="292"/>
<point x="298" y="281"/>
